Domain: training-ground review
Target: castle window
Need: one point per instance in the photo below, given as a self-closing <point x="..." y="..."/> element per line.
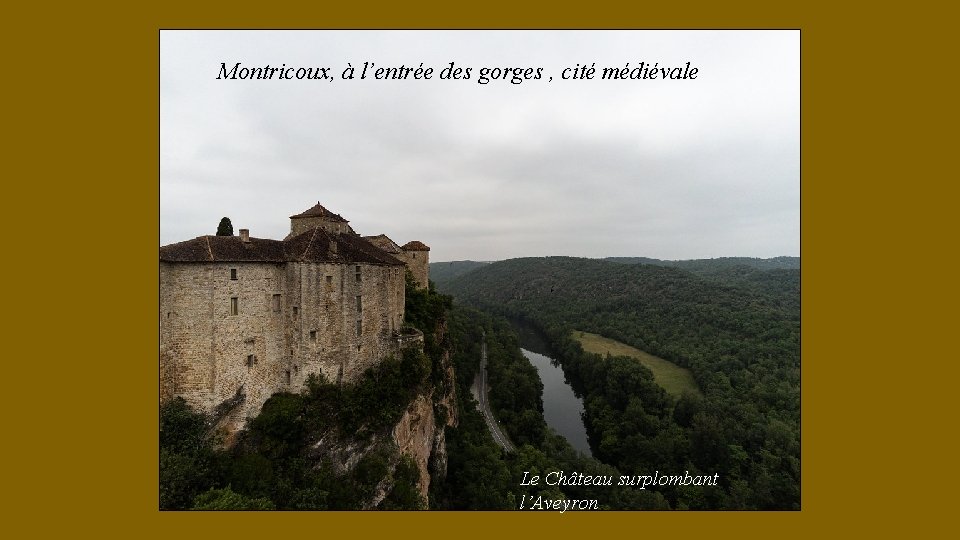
<point x="358" y="273"/>
<point x="233" y="274"/>
<point x="359" y="327"/>
<point x="251" y="359"/>
<point x="414" y="255"/>
<point x="330" y="280"/>
<point x="288" y="376"/>
<point x="234" y="305"/>
<point x="359" y="304"/>
<point x="276" y="303"/>
<point x="296" y="311"/>
<point x="313" y="335"/>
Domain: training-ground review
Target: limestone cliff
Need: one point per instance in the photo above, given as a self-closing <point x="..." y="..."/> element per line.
<point x="419" y="434"/>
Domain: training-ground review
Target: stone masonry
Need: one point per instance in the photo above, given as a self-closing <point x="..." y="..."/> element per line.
<point x="248" y="317"/>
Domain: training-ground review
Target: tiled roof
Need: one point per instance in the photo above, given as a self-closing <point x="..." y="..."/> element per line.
<point x="316" y="246"/>
<point x="318" y="210"/>
<point x="312" y="246"/>
<point x="223" y="248"/>
<point x="416" y="245"/>
<point x="384" y="242"/>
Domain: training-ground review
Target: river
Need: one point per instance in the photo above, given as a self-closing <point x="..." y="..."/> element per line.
<point x="561" y="407"/>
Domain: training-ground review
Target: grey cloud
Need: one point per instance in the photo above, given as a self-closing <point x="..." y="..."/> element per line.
<point x="592" y="168"/>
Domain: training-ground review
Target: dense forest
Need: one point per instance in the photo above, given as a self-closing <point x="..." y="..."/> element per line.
<point x="739" y="336"/>
<point x="734" y="268"/>
<point x="481" y="476"/>
<point x="713" y="265"/>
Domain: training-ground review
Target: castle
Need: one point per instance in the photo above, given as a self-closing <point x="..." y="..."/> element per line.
<point x="242" y="318"/>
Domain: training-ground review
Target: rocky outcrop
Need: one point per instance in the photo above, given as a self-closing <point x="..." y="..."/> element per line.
<point x="420" y="432"/>
<point x="415" y="435"/>
<point x="343" y="454"/>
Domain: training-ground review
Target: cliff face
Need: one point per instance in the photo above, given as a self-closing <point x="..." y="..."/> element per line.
<point x="416" y="436"/>
<point x="420" y="432"/>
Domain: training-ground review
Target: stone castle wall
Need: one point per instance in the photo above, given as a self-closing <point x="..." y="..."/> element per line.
<point x="292" y="319"/>
<point x="324" y="334"/>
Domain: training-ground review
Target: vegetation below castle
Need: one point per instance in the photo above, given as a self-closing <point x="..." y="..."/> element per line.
<point x="272" y="461"/>
<point x="739" y="339"/>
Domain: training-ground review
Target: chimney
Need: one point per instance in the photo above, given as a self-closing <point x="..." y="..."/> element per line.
<point x="244" y="235"/>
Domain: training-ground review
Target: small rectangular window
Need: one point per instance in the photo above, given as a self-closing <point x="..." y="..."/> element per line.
<point x="359" y="327"/>
<point x="276" y="303"/>
<point x="313" y="335"/>
<point x="359" y="304"/>
<point x="251" y="359"/>
<point x="296" y="311"/>
<point x="358" y="273"/>
<point x="233" y="274"/>
<point x="234" y="305"/>
<point x="329" y="280"/>
<point x="288" y="376"/>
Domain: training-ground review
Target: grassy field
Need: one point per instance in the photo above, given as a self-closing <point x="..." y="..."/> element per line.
<point x="673" y="378"/>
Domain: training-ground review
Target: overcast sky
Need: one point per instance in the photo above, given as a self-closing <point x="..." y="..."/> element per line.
<point x="673" y="169"/>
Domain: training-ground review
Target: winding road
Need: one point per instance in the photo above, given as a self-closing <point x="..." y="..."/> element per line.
<point x="479" y="389"/>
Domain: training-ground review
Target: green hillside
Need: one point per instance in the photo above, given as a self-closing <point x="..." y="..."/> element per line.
<point x="735" y="328"/>
<point x="708" y="265"/>
<point x="442" y="273"/>
<point x="671" y="377"/>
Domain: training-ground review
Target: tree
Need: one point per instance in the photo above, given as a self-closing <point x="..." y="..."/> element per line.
<point x="227" y="499"/>
<point x="225" y="228"/>
<point x="187" y="457"/>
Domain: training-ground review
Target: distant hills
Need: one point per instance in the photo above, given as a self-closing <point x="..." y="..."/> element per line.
<point x="694" y="265"/>
<point x="720" y="319"/>
<point x="744" y="271"/>
<point x="442" y="273"/>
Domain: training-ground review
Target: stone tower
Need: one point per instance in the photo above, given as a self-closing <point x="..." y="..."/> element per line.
<point x="318" y="216"/>
<point x="417" y="256"/>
